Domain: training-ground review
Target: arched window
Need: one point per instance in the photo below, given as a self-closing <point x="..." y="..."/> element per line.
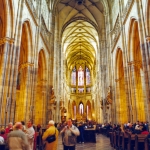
<point x="74" y="112"/>
<point x="88" y="76"/>
<point x="81" y="108"/>
<point x="73" y="76"/>
<point x="80" y="76"/>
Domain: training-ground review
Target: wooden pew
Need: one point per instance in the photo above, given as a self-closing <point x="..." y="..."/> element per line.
<point x="140" y="141"/>
<point x="111" y="138"/>
<point x="116" y="135"/>
<point x="2" y="146"/>
<point x="120" y="137"/>
<point x="125" y="141"/>
<point x="147" y="143"/>
<point x="131" y="141"/>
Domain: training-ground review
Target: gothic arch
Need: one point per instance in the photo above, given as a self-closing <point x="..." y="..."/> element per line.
<point x="6" y="15"/>
<point x="136" y="72"/>
<point x="120" y="88"/>
<point x="89" y="110"/>
<point x="28" y="30"/>
<point x="1" y="50"/>
<point x="148" y="18"/>
<point x="40" y="88"/>
<point x="69" y="110"/>
<point x="24" y="81"/>
<point x="74" y="110"/>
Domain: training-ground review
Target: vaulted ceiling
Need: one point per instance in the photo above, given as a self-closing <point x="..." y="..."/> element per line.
<point x="80" y="23"/>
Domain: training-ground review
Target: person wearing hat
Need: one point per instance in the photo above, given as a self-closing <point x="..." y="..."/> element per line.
<point x="49" y="132"/>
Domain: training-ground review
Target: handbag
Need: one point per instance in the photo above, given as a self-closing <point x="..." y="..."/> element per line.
<point x="51" y="138"/>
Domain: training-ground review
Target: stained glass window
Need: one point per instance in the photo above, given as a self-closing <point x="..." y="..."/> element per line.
<point x="73" y="76"/>
<point x="80" y="76"/>
<point x="88" y="76"/>
<point x="81" y="108"/>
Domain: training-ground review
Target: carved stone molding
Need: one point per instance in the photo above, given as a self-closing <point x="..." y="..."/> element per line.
<point x="148" y="38"/>
<point x="43" y="81"/>
<point x="6" y="40"/>
<point x="46" y="35"/>
<point x="117" y="80"/>
<point x="25" y="65"/>
<point x="135" y="63"/>
<point x="32" y="10"/>
<point x="127" y="10"/>
<point x="116" y="32"/>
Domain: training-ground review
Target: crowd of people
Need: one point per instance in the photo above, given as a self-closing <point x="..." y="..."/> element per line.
<point x="17" y="136"/>
<point x="134" y="128"/>
<point x="22" y="137"/>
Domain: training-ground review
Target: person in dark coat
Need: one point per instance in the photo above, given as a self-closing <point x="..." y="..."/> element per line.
<point x="81" y="136"/>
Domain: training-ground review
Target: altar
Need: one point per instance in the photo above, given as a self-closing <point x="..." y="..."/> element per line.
<point x="89" y="135"/>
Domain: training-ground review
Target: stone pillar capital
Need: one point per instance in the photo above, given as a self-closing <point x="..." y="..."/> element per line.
<point x="25" y="65"/>
<point x="135" y="63"/>
<point x="117" y="80"/>
<point x="6" y="40"/>
<point x="148" y="38"/>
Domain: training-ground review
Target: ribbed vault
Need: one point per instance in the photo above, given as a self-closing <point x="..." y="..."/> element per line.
<point x="80" y="24"/>
<point x="80" y="40"/>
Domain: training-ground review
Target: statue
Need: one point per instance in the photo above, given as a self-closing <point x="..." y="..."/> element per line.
<point x="109" y="96"/>
<point x="52" y="98"/>
<point x="101" y="103"/>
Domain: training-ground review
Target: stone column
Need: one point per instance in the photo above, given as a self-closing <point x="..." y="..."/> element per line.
<point x="134" y="66"/>
<point x="145" y="55"/>
<point x="85" y="78"/>
<point x="6" y="47"/>
<point x="25" y="95"/>
<point x="76" y="79"/>
<point x="118" y="112"/>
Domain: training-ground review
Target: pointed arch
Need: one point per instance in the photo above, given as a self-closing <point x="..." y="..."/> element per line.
<point x="40" y="87"/>
<point x="23" y="81"/>
<point x="89" y="110"/>
<point x="28" y="31"/>
<point x="121" y="101"/>
<point x="148" y="18"/>
<point x="6" y="15"/>
<point x="74" y="110"/>
<point x="136" y="72"/>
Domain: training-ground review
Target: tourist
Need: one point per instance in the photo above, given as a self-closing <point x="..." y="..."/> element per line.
<point x="3" y="134"/>
<point x="52" y="130"/>
<point x="9" y="128"/>
<point x="1" y="140"/>
<point x="69" y="133"/>
<point x="81" y="129"/>
<point x="23" y="126"/>
<point x="30" y="134"/>
<point x="17" y="139"/>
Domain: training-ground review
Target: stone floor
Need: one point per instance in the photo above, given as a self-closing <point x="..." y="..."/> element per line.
<point x="102" y="143"/>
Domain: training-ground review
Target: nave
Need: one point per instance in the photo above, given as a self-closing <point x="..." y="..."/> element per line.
<point x="102" y="143"/>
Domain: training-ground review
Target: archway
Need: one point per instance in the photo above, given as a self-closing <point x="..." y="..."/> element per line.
<point x="74" y="110"/>
<point x="120" y="89"/>
<point x="39" y="100"/>
<point x="136" y="73"/>
<point x="148" y="18"/>
<point x="1" y="49"/>
<point x="69" y="110"/>
<point x="89" y="110"/>
<point x="23" y="102"/>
